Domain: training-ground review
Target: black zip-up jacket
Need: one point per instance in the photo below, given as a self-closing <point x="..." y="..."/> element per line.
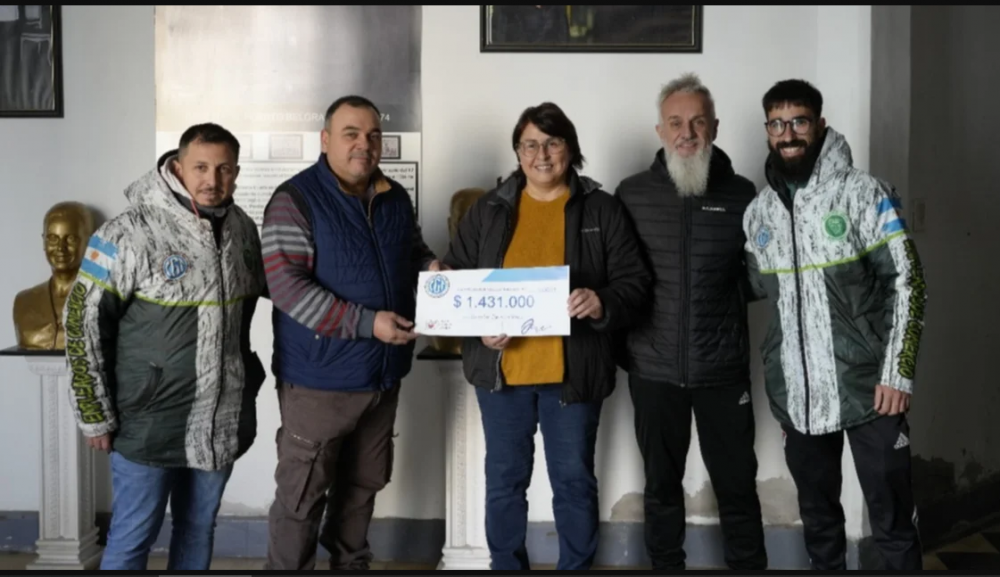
<point x="603" y="255"/>
<point x="695" y="333"/>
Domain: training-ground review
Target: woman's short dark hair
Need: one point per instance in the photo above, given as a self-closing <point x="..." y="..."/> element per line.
<point x="551" y="120"/>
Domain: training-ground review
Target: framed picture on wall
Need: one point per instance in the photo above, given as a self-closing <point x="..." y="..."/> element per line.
<point x="285" y="147"/>
<point x="580" y="28"/>
<point x="31" y="83"/>
<point x="390" y="147"/>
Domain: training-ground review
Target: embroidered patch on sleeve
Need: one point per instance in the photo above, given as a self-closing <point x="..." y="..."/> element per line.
<point x="889" y="218"/>
<point x="100" y="257"/>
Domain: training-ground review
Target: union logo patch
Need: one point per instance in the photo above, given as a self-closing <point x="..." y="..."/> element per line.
<point x="175" y="267"/>
<point x="763" y="237"/>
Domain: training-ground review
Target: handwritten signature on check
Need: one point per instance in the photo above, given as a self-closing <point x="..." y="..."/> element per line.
<point x="530" y="324"/>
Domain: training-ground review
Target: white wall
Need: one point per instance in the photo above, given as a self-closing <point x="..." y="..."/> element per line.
<point x="90" y="155"/>
<point x="471" y="102"/>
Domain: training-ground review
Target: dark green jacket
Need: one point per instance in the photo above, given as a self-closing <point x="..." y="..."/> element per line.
<point x="847" y="290"/>
<point x="157" y="332"/>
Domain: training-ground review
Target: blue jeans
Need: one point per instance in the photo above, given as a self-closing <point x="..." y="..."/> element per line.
<point x="510" y="418"/>
<point x="139" y="503"/>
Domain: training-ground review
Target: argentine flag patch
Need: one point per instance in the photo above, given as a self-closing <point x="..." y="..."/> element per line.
<point x="99" y="259"/>
<point x="889" y="219"/>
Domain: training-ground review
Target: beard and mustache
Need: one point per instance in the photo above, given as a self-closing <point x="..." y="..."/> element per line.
<point x="799" y="168"/>
<point x="690" y="175"/>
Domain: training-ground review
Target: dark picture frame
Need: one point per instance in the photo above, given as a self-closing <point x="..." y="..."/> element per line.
<point x="588" y="28"/>
<point x="31" y="62"/>
<point x="392" y="147"/>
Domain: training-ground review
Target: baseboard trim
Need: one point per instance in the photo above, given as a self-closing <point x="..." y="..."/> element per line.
<point x="420" y="541"/>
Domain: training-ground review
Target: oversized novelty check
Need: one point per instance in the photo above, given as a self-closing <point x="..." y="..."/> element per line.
<point x="517" y="302"/>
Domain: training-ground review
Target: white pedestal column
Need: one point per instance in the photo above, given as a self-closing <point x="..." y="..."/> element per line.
<point x="465" y="480"/>
<point x="68" y="535"/>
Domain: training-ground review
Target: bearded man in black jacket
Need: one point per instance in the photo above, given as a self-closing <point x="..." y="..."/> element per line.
<point x="691" y="352"/>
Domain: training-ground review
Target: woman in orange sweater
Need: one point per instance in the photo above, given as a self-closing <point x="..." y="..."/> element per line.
<point x="547" y="214"/>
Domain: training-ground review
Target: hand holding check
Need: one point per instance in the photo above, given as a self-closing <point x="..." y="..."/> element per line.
<point x="497" y="343"/>
<point x="393" y="329"/>
<point x="523" y="302"/>
<point x="437" y="265"/>
<point x="582" y="303"/>
<point x="499" y="304"/>
<point x="585" y="303"/>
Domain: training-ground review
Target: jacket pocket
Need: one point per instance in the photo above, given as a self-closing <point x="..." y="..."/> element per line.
<point x="771" y="359"/>
<point x="770" y="342"/>
<point x="317" y="347"/>
<point x="298" y="476"/>
<point x="479" y="363"/>
<point x="147" y="392"/>
<point x="589" y="366"/>
<point x="391" y="459"/>
<point x="851" y="345"/>
<point x="873" y="341"/>
<point x="607" y="355"/>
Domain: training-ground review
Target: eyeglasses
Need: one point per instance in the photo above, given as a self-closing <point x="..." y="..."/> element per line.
<point x="54" y="240"/>
<point x="800" y="125"/>
<point x="530" y="148"/>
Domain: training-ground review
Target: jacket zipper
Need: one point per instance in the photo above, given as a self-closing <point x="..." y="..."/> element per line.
<point x="385" y="285"/>
<point x="500" y="259"/>
<point x="798" y="303"/>
<point x="222" y="347"/>
<point x="685" y="292"/>
<point x="569" y="261"/>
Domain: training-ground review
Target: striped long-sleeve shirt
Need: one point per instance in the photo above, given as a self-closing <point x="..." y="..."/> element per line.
<point x="289" y="256"/>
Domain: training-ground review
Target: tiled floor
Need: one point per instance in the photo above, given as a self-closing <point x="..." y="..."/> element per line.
<point x="18" y="562"/>
<point x="977" y="552"/>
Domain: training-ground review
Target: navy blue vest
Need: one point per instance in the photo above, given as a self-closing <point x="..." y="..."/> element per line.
<point x="360" y="262"/>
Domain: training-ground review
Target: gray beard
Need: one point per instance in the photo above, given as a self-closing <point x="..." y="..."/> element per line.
<point x="690" y="175"/>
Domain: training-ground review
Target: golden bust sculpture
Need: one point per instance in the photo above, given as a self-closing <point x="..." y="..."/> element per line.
<point x="461" y="202"/>
<point x="38" y="310"/>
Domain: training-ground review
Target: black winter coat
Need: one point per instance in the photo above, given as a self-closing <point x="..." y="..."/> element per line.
<point x="695" y="333"/>
<point x="603" y="255"/>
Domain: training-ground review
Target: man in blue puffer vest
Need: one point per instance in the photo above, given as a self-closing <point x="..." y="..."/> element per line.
<point x="342" y="251"/>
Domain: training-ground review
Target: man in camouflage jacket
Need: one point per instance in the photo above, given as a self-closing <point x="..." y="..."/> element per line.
<point x="157" y="336"/>
<point x="828" y="248"/>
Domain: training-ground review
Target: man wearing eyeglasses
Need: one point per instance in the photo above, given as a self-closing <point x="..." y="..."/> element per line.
<point x="828" y="248"/>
